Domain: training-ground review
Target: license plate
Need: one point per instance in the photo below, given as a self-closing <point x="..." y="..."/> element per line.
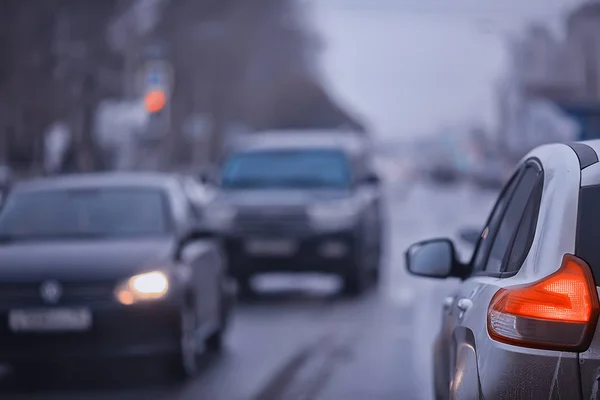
<point x="50" y="320"/>
<point x="271" y="247"/>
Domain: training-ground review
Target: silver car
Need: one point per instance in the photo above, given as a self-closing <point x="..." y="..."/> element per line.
<point x="523" y="322"/>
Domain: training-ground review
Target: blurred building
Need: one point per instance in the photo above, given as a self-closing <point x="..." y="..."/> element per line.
<point x="552" y="91"/>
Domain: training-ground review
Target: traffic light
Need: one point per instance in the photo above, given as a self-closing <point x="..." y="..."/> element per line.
<point x="155" y="101"/>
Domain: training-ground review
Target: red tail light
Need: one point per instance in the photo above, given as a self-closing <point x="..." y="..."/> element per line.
<point x="558" y="312"/>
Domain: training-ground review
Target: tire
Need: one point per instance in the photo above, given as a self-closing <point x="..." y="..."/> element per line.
<point x="376" y="265"/>
<point x="185" y="363"/>
<point x="353" y="286"/>
<point x="376" y="275"/>
<point x="358" y="277"/>
<point x="244" y="287"/>
<point x="355" y="280"/>
<point x="214" y="343"/>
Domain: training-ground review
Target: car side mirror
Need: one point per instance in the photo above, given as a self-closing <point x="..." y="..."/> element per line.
<point x="434" y="258"/>
<point x="198" y="233"/>
<point x="470" y="235"/>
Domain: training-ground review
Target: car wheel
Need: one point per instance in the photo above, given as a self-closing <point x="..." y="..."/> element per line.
<point x="185" y="364"/>
<point x="244" y="287"/>
<point x="214" y="343"/>
<point x="376" y="265"/>
<point x="356" y="280"/>
<point x="376" y="275"/>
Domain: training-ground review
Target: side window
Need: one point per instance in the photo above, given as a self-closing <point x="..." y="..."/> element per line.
<point x="525" y="232"/>
<point x="482" y="250"/>
<point x="511" y="220"/>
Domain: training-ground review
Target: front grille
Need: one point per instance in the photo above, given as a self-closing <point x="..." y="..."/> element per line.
<point x="272" y="222"/>
<point x="28" y="294"/>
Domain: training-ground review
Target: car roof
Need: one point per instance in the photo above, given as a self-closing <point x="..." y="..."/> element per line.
<point x="348" y="141"/>
<point x="156" y="180"/>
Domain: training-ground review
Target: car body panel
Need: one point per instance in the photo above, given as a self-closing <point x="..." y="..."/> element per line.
<point x="272" y="197"/>
<point x="283" y="213"/>
<point x="590" y="359"/>
<point x="90" y="270"/>
<point x="557" y="218"/>
<point x="480" y="367"/>
<point x="83" y="259"/>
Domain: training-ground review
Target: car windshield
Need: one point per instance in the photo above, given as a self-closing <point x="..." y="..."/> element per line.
<point x="97" y="213"/>
<point x="287" y="169"/>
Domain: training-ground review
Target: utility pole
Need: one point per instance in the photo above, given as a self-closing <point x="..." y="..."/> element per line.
<point x="157" y="82"/>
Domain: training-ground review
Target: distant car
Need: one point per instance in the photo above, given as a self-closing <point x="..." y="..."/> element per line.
<point x="523" y="324"/>
<point x="305" y="202"/>
<point x="444" y="173"/>
<point x="104" y="266"/>
<point x="489" y="174"/>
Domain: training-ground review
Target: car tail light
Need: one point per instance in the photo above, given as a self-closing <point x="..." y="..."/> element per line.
<point x="558" y="312"/>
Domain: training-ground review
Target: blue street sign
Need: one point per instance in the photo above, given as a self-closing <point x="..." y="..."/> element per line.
<point x="154" y="77"/>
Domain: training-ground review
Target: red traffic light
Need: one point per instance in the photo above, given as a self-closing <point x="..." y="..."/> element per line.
<point x="155" y="101"/>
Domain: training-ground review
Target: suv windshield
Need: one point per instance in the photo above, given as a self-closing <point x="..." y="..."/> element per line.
<point x="99" y="213"/>
<point x="289" y="169"/>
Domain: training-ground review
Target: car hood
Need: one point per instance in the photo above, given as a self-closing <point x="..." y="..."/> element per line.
<point x="82" y="260"/>
<point x="275" y="197"/>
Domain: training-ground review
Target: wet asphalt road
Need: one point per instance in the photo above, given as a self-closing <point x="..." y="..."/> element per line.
<point x="299" y="340"/>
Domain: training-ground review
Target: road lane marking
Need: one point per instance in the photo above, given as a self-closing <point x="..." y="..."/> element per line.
<point x="307" y="373"/>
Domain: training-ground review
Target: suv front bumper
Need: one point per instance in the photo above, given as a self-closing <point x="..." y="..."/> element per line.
<point x="324" y="252"/>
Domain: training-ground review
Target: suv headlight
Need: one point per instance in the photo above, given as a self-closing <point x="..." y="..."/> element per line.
<point x="219" y="216"/>
<point x="334" y="214"/>
<point x="143" y="287"/>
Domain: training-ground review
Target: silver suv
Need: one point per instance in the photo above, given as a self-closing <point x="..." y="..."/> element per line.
<point x="523" y="322"/>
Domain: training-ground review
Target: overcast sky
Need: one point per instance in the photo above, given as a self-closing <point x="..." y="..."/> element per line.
<point x="411" y="67"/>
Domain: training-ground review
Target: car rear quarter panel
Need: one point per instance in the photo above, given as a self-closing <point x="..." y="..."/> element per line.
<point x="511" y="372"/>
<point x="557" y="220"/>
<point x="505" y="371"/>
<point x="589" y="362"/>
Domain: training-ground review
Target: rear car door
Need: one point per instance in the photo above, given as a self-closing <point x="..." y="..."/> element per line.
<point x="504" y="244"/>
<point x="444" y="362"/>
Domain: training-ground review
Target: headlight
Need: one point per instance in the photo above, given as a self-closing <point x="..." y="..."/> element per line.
<point x="219" y="216"/>
<point x="143" y="287"/>
<point x="334" y="214"/>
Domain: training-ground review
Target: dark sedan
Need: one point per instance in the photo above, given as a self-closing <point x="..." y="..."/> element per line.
<point x="104" y="266"/>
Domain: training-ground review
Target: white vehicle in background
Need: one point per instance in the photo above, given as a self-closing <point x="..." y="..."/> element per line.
<point x="534" y="123"/>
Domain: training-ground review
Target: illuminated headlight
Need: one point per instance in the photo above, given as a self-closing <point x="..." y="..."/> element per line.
<point x="143" y="287"/>
<point x="334" y="214"/>
<point x="219" y="216"/>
